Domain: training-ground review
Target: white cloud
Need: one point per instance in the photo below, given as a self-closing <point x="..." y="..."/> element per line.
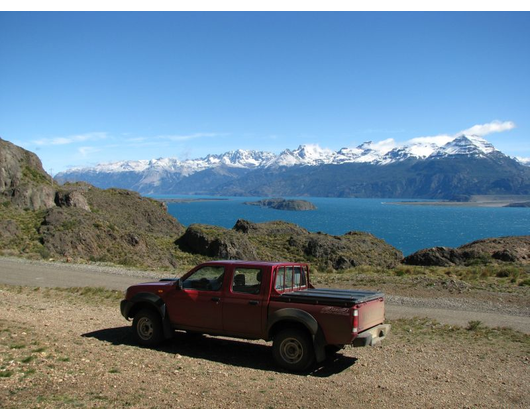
<point x="190" y="136"/>
<point x="85" y="151"/>
<point x="477" y="130"/>
<point x="492" y="127"/>
<point x="438" y="140"/>
<point x="384" y="146"/>
<point x="78" y="138"/>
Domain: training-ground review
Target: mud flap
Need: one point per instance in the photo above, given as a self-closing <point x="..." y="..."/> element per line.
<point x="169" y="332"/>
<point x="319" y="345"/>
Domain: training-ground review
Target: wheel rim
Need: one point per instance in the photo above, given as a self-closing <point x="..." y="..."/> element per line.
<point x="291" y="350"/>
<point x="145" y="328"/>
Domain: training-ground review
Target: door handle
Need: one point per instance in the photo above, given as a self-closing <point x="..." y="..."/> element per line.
<point x="253" y="302"/>
<point x="216" y="299"/>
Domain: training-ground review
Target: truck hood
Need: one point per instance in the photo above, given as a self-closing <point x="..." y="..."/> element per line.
<point x="154" y="286"/>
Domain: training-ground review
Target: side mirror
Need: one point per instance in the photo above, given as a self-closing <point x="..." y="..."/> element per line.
<point x="178" y="284"/>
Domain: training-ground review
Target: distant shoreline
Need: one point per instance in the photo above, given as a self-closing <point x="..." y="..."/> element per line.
<point x="494" y="201"/>
<point x="451" y="203"/>
<point x="188" y="200"/>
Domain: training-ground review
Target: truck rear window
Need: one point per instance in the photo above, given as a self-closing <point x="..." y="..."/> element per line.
<point x="290" y="278"/>
<point x="247" y="280"/>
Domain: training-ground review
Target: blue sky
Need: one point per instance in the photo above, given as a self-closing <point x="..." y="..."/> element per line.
<point x="83" y="88"/>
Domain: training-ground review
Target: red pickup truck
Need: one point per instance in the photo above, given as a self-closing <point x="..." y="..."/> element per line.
<point x="258" y="300"/>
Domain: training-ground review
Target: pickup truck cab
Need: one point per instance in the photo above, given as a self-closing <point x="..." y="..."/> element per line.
<point x="257" y="300"/>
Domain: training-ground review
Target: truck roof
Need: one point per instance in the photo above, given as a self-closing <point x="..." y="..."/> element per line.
<point x="261" y="263"/>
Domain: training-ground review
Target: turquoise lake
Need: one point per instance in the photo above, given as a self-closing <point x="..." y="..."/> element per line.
<point x="407" y="227"/>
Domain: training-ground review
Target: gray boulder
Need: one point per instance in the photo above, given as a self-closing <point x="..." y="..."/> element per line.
<point x="438" y="256"/>
<point x="216" y="242"/>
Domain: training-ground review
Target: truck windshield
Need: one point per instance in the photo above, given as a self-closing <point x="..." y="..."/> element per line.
<point x="290" y="278"/>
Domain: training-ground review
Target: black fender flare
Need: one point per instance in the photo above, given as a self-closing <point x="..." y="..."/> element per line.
<point x="153" y="301"/>
<point x="293" y="315"/>
<point x="307" y="320"/>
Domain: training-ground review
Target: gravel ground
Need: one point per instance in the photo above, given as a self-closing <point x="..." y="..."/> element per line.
<point x="64" y="349"/>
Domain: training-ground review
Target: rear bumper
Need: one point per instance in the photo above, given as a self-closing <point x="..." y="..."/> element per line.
<point x="372" y="336"/>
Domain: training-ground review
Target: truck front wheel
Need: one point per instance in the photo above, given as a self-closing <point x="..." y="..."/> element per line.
<point x="147" y="327"/>
<point x="292" y="349"/>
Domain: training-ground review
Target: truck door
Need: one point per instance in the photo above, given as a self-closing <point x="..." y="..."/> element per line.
<point x="244" y="303"/>
<point x="198" y="305"/>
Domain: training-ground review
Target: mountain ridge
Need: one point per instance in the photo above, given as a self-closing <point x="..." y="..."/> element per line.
<point x="231" y="173"/>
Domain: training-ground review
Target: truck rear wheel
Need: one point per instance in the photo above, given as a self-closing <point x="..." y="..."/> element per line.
<point x="292" y="349"/>
<point x="147" y="327"/>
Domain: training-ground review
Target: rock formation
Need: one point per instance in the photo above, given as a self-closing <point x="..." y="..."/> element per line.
<point x="514" y="249"/>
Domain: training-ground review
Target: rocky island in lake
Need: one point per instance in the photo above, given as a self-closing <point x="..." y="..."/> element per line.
<point x="283" y="204"/>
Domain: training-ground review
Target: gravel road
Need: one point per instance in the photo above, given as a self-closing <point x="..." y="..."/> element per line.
<point x="453" y="311"/>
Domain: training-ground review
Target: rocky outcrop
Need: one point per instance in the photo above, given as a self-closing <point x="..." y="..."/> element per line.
<point x="278" y="227"/>
<point x="216" y="242"/>
<point x="23" y="181"/>
<point x="515" y="249"/>
<point x="347" y="251"/>
<point x="71" y="199"/>
<point x="109" y="225"/>
<point x="507" y="248"/>
<point x="79" y="221"/>
<point x="440" y="256"/>
<point x="283" y="204"/>
<point x="282" y="241"/>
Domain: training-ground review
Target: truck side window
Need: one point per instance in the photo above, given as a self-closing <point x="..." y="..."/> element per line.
<point x="247" y="280"/>
<point x="299" y="277"/>
<point x="280" y="278"/>
<point x="205" y="278"/>
<point x="289" y="278"/>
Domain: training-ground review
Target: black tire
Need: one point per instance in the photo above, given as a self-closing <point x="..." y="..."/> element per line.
<point x="147" y="328"/>
<point x="292" y="349"/>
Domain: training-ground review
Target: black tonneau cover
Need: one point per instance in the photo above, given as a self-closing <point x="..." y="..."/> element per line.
<point x="332" y="297"/>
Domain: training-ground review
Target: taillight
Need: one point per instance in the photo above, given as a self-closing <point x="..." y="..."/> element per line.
<point x="355" y="321"/>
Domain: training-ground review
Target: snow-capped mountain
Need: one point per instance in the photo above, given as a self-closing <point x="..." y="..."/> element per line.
<point x="304" y="155"/>
<point x="236" y="159"/>
<point x="367" y="152"/>
<point x="237" y="172"/>
<point x="465" y="145"/>
<point x="523" y="161"/>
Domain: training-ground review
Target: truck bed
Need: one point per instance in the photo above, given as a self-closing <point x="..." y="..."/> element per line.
<point x="330" y="297"/>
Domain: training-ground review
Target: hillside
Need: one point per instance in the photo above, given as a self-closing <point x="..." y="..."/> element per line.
<point x="274" y="241"/>
<point x="79" y="221"/>
<point x="468" y="165"/>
